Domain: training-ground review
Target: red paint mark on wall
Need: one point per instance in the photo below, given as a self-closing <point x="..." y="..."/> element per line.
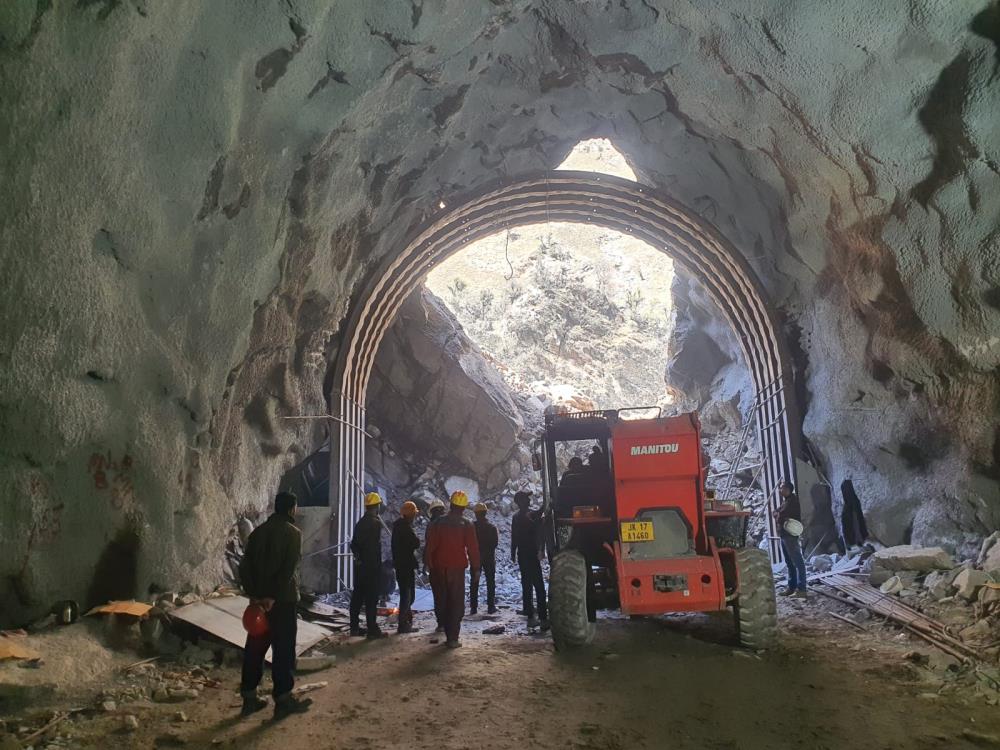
<point x="114" y="475"/>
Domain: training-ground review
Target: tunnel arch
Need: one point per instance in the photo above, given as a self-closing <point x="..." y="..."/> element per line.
<point x="562" y="196"/>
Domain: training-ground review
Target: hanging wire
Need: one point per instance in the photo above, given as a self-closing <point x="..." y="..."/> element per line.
<point x="506" y="254"/>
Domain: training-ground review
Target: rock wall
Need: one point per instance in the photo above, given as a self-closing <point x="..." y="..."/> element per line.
<point x="435" y="401"/>
<point x="193" y="191"/>
<point x="706" y="370"/>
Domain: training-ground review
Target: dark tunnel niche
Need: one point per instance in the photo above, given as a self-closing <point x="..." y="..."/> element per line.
<point x="852" y="518"/>
<point x="116" y="572"/>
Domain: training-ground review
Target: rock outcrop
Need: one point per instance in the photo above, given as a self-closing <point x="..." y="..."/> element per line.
<point x="436" y="401"/>
<point x="192" y="193"/>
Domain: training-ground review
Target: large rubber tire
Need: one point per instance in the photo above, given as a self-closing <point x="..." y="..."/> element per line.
<point x="755" y="610"/>
<point x="571" y="628"/>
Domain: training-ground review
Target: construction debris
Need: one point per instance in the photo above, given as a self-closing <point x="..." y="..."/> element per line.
<point x="222" y="617"/>
<point x="858" y="593"/>
<point x="309" y="687"/>
<point x="13" y="647"/>
<point x="133" y="608"/>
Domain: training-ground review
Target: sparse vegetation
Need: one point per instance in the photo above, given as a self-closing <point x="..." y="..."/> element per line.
<point x="581" y="310"/>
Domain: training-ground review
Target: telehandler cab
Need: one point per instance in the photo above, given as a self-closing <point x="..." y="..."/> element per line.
<point x="630" y="529"/>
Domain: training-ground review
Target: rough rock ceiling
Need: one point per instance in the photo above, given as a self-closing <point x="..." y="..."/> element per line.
<point x="193" y="191"/>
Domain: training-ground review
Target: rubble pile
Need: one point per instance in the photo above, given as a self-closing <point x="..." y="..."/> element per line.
<point x="961" y="599"/>
<point x="740" y="460"/>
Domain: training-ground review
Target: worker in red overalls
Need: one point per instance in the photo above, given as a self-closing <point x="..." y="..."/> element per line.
<point x="451" y="548"/>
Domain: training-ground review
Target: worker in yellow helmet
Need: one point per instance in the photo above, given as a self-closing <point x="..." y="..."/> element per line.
<point x="366" y="546"/>
<point x="404" y="560"/>
<point x="451" y="548"/>
<point x="489" y="539"/>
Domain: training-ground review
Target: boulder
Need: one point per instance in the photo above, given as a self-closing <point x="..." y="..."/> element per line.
<point x="439" y="400"/>
<point x="990" y="555"/>
<point x="968" y="583"/>
<point x="821" y="563"/>
<point x="981" y="632"/>
<point x="909" y="557"/>
<point x="989" y="599"/>
<point x="892" y="585"/>
<point x="938" y="583"/>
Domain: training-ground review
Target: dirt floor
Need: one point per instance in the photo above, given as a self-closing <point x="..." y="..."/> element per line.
<point x="677" y="682"/>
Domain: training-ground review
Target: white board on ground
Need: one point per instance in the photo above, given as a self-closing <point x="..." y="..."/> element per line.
<point x="223" y="618"/>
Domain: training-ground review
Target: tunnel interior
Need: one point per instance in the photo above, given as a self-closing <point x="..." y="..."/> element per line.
<point x="217" y="221"/>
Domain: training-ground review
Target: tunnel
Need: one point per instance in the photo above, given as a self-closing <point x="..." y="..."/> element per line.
<point x="219" y="226"/>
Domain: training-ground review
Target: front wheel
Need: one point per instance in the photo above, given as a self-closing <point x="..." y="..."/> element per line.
<point x="755" y="610"/>
<point x="571" y="627"/>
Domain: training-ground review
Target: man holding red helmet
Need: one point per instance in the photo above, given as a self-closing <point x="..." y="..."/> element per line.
<point x="269" y="575"/>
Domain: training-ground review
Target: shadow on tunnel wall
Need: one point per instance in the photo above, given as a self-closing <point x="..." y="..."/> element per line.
<point x="310" y="479"/>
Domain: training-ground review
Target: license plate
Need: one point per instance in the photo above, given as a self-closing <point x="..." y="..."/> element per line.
<point x="637" y="531"/>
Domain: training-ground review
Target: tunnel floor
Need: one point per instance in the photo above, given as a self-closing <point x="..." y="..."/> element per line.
<point x="678" y="683"/>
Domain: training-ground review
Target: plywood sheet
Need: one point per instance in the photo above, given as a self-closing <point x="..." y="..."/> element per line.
<point x="16" y="648"/>
<point x="223" y="618"/>
<point x="136" y="609"/>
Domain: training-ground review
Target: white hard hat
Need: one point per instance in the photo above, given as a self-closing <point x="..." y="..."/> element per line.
<point x="435" y="503"/>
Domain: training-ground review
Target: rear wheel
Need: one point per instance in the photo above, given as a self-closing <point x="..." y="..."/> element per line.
<point x="571" y="626"/>
<point x="755" y="610"/>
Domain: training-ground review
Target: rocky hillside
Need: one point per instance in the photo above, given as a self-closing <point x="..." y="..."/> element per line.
<point x="569" y="312"/>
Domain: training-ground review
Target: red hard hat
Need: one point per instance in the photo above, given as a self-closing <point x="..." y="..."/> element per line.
<point x="255" y="620"/>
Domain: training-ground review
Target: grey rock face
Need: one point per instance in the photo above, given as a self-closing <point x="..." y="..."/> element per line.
<point x="192" y="193"/>
<point x="435" y="397"/>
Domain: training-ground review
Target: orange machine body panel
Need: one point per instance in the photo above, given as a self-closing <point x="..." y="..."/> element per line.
<point x="658" y="475"/>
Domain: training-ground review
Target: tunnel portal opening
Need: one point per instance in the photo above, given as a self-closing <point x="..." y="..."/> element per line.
<point x="608" y="201"/>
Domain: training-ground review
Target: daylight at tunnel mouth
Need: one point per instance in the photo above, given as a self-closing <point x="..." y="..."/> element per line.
<point x="646" y="350"/>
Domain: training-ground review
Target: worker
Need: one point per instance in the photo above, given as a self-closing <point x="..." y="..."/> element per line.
<point x="575" y="474"/>
<point x="366" y="546"/>
<point x="791" y="510"/>
<point x="434" y="511"/>
<point x="597" y="462"/>
<point x="575" y="488"/>
<point x="526" y="549"/>
<point x="451" y="548"/>
<point x="269" y="576"/>
<point x="486" y="534"/>
<point x="404" y="559"/>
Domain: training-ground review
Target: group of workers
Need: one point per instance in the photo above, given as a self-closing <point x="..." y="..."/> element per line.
<point x="452" y="546"/>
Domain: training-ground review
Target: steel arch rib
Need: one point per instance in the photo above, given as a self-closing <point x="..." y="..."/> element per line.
<point x="578" y="197"/>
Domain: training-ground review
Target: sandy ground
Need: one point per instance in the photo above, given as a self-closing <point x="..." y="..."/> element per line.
<point x="678" y="683"/>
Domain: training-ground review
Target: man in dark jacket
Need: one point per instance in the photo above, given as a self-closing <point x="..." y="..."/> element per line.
<point x="404" y="559"/>
<point x="269" y="575"/>
<point x="488" y="538"/>
<point x="790" y="510"/>
<point x="366" y="546"/>
<point x="526" y="550"/>
<point x="451" y="548"/>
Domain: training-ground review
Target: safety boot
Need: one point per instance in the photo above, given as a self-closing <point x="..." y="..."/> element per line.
<point x="252" y="703"/>
<point x="288" y="704"/>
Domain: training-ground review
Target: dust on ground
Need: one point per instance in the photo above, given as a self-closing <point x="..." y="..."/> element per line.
<point x="678" y="682"/>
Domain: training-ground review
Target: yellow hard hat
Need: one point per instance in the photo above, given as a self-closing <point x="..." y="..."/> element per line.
<point x="460" y="499"/>
<point x="409" y="509"/>
<point x="480" y="508"/>
<point x="372" y="498"/>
